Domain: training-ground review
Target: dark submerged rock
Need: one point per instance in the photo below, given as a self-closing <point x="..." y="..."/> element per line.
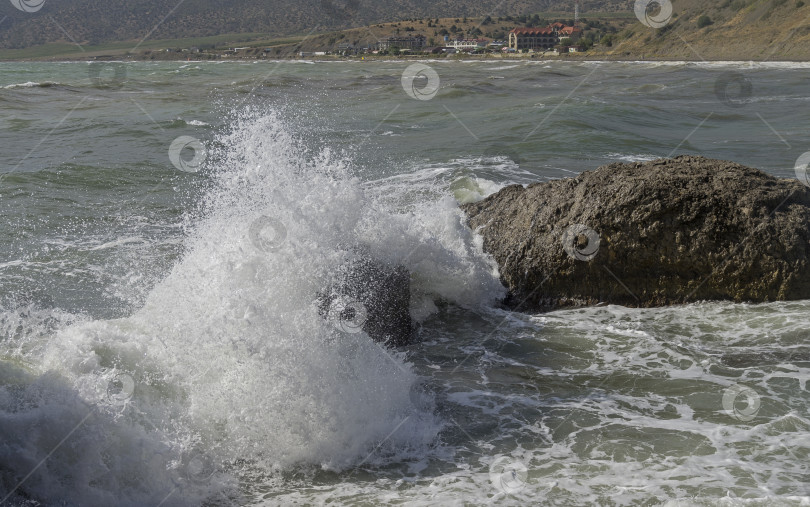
<point x="374" y="297"/>
<point x="650" y="234"/>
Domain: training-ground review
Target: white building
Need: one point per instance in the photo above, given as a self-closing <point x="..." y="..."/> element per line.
<point x="467" y="44"/>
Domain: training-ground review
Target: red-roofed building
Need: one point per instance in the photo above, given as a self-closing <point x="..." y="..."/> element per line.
<point x="572" y="32"/>
<point x="542" y="38"/>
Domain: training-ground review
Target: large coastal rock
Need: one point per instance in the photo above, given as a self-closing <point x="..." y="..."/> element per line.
<point x="650" y="234"/>
<point x="373" y="297"/>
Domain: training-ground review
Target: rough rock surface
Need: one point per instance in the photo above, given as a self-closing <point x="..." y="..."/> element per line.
<point x="374" y="297"/>
<point x="667" y="231"/>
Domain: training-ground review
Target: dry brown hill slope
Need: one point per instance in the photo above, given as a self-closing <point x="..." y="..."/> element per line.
<point x="100" y="21"/>
<point x="757" y="30"/>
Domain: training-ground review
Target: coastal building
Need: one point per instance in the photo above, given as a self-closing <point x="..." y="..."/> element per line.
<point x="542" y="38"/>
<point x="532" y="38"/>
<point x="467" y="44"/>
<point x="346" y="48"/>
<point x="416" y="42"/>
<point x="570" y="33"/>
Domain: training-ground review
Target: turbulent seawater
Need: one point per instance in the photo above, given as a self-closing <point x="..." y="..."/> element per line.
<point x="160" y="336"/>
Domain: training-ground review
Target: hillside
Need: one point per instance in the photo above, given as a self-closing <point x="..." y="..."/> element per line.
<point x="93" y="22"/>
<point x="722" y="30"/>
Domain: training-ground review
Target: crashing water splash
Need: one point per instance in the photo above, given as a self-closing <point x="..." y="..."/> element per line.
<point x="229" y="365"/>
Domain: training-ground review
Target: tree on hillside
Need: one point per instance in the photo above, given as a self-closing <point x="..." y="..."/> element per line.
<point x="704" y="21"/>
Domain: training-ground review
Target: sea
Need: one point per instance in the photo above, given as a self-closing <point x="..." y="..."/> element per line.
<point x="168" y="229"/>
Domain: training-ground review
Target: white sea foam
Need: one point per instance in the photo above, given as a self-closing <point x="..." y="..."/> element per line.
<point x="634" y="157"/>
<point x="229" y="369"/>
<point x="741" y="64"/>
<point x="30" y="84"/>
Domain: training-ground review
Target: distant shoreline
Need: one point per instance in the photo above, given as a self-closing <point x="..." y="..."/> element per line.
<point x="511" y="57"/>
<point x="689" y="35"/>
<point x="432" y="58"/>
